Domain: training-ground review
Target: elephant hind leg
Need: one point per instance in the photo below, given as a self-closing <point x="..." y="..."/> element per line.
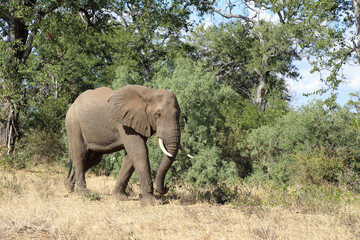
<point x="70" y="181"/>
<point x="79" y="155"/>
<point x="127" y="169"/>
<point x="92" y="160"/>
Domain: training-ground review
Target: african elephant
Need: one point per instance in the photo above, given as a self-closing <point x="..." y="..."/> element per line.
<point x="103" y="121"/>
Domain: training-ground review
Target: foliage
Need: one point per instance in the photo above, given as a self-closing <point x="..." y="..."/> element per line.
<point x="226" y="49"/>
<point x="125" y="76"/>
<point x="329" y="46"/>
<point x="41" y="146"/>
<point x="242" y="55"/>
<point x="240" y="117"/>
<point x="318" y="166"/>
<point x="155" y="28"/>
<point x="52" y="51"/>
<point x="273" y="48"/>
<point x="199" y="96"/>
<point x="61" y="48"/>
<point x="314" y="144"/>
<point x="110" y="164"/>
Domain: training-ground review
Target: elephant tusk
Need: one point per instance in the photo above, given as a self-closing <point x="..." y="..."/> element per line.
<point x="184" y="152"/>
<point x="161" y="143"/>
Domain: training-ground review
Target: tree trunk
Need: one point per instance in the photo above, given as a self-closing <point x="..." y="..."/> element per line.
<point x="15" y="53"/>
<point x="356" y="5"/>
<point x="9" y="128"/>
<point x="260" y="94"/>
<point x="11" y="84"/>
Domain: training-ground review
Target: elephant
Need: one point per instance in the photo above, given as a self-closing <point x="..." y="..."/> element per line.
<point x="103" y="121"/>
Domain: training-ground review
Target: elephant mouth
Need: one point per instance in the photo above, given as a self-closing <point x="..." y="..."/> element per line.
<point x="161" y="143"/>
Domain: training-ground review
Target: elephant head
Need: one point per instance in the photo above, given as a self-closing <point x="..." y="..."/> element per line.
<point x="148" y="111"/>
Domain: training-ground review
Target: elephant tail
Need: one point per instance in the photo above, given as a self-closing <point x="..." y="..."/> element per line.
<point x="70" y="166"/>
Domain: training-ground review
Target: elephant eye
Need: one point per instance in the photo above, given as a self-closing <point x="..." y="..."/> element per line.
<point x="158" y="114"/>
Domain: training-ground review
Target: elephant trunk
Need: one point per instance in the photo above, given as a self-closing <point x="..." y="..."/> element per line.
<point x="172" y="145"/>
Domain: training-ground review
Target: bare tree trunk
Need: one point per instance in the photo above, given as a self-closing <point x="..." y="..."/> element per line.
<point x="12" y="96"/>
<point x="356" y="4"/>
<point x="260" y="94"/>
<point x="9" y="127"/>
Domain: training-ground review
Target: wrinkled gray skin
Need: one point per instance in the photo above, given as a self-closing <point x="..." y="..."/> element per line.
<point x="103" y="121"/>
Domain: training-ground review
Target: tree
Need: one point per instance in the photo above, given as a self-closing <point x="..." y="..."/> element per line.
<point x="331" y="38"/>
<point x="45" y="53"/>
<point x="20" y="23"/>
<point x="226" y="50"/>
<point x="156" y="28"/>
<point x="275" y="52"/>
<point x="327" y="33"/>
<point x="232" y="51"/>
<point x="57" y="49"/>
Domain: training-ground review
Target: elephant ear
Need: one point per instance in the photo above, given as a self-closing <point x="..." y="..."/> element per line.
<point x="129" y="108"/>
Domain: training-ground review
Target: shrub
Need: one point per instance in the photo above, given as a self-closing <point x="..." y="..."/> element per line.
<point x="43" y="145"/>
<point x="318" y="166"/>
<point x="200" y="98"/>
<point x="315" y="142"/>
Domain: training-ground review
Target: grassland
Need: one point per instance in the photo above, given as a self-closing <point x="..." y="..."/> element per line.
<point x="35" y="205"/>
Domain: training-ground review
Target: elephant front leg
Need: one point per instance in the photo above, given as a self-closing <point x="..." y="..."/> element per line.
<point x="127" y="169"/>
<point x="136" y="148"/>
<point x="142" y="167"/>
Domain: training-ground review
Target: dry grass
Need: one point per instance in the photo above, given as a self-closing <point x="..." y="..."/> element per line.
<point x="35" y="205"/>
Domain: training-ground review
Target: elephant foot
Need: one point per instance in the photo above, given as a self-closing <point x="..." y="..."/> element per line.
<point x="69" y="186"/>
<point x="121" y="196"/>
<point x="82" y="190"/>
<point x="148" y="200"/>
<point x="163" y="190"/>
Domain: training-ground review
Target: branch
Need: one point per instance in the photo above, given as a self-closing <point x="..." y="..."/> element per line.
<point x="229" y="15"/>
<point x="38" y="18"/>
<point x="28" y="49"/>
<point x="83" y="19"/>
<point x="51" y="8"/>
<point x="4" y="14"/>
<point x="281" y="19"/>
<point x="356" y="49"/>
<point x="304" y="56"/>
<point x="87" y="21"/>
<point x="120" y="14"/>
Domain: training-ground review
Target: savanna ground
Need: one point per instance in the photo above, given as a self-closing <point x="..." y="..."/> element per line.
<point x="35" y="205"/>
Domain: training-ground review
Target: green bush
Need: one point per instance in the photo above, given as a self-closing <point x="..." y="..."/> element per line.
<point x="39" y="146"/>
<point x="318" y="166"/>
<point x="200" y="98"/>
<point x="40" y="140"/>
<point x="240" y="117"/>
<point x="110" y="164"/>
<point x="314" y="144"/>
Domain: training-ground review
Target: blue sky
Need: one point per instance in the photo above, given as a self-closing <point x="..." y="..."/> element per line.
<point x="310" y="82"/>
